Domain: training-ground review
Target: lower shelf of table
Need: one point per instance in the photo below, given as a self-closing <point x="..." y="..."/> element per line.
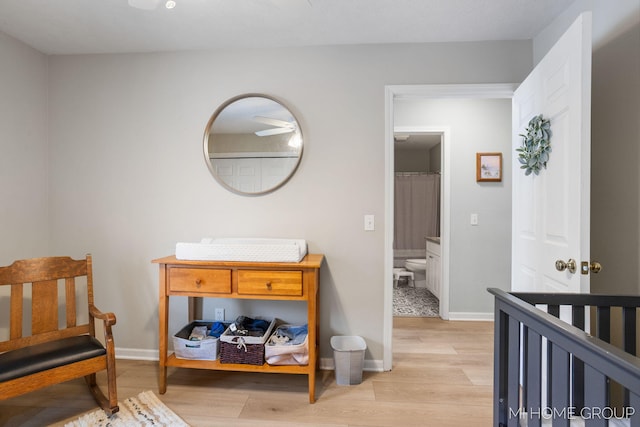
<point x="172" y="360"/>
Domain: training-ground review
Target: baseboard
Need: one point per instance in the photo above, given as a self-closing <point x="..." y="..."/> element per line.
<point x="137" y="354"/>
<point x="327" y="364"/>
<point x="470" y="316"/>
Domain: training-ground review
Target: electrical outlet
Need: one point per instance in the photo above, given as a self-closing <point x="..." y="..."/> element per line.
<point x="219" y="314"/>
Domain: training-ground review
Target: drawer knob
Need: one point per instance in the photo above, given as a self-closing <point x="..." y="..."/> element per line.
<point x="268" y="285"/>
<point x="198" y="282"/>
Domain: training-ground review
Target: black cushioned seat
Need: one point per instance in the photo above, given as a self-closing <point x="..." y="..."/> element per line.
<point x="40" y="357"/>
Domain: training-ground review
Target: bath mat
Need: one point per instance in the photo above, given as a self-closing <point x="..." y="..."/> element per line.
<point x="144" y="409"/>
<point x="414" y="302"/>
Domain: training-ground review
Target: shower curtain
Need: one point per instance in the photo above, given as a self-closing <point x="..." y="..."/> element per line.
<point x="417" y="209"/>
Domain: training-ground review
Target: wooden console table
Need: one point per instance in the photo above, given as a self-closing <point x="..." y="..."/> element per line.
<point x="289" y="281"/>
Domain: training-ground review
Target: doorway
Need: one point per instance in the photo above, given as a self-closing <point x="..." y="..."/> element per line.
<point x="417" y="195"/>
<point x="393" y="94"/>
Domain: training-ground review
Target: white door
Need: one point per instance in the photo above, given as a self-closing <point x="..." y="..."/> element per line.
<point x="240" y="173"/>
<point x="551" y="210"/>
<point x="276" y="169"/>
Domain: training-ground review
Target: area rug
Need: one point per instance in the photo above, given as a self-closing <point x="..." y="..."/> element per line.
<point x="414" y="302"/>
<point x="144" y="409"/>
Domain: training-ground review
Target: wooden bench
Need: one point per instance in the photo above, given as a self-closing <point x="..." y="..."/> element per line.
<point x="45" y="295"/>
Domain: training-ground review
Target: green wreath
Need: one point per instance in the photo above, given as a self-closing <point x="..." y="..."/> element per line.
<point x="533" y="155"/>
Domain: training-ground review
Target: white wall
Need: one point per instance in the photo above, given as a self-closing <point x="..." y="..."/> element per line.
<point x="611" y="19"/>
<point x="24" y="230"/>
<point x="615" y="138"/>
<point x="479" y="255"/>
<point x="129" y="181"/>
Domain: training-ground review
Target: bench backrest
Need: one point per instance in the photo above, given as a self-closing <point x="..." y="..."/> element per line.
<point x="50" y="285"/>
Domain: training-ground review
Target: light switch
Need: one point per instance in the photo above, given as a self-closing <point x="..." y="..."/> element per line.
<point x="474" y="219"/>
<point x="369" y="223"/>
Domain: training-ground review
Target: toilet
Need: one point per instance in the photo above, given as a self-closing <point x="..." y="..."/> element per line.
<point x="416" y="265"/>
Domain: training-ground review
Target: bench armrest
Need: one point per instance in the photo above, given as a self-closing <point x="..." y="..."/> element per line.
<point x="109" y="319"/>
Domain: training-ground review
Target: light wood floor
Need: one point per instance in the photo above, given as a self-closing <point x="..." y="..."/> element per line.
<point x="442" y="377"/>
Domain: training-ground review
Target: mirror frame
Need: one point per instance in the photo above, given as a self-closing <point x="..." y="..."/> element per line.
<point x="207" y="133"/>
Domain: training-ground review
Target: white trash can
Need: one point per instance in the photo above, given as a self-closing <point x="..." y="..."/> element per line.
<point x="348" y="356"/>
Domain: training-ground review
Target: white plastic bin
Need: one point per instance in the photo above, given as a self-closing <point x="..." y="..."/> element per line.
<point x="348" y="356"/>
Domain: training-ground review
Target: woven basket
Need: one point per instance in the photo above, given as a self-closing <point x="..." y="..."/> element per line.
<point x="247" y="354"/>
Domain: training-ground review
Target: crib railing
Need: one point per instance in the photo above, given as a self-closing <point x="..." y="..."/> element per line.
<point x="547" y="369"/>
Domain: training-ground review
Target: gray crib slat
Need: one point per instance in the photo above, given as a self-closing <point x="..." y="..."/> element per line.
<point x="577" y="320"/>
<point x="524" y="336"/>
<point x="603" y="330"/>
<point x="500" y="411"/>
<point x="578" y="383"/>
<point x="513" y="370"/>
<point x="554" y="310"/>
<point x="534" y="377"/>
<point x="559" y="379"/>
<point x="629" y="338"/>
<point x="634" y="410"/>
<point x="595" y="396"/>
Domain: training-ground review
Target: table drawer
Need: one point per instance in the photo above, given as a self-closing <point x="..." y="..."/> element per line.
<point x="282" y="283"/>
<point x="205" y="280"/>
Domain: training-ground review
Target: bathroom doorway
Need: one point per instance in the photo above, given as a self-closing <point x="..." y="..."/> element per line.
<point x="442" y="108"/>
<point x="416" y="242"/>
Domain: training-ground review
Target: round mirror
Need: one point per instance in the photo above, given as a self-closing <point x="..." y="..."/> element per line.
<point x="252" y="144"/>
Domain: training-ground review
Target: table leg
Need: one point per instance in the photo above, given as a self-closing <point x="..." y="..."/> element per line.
<point x="162" y="380"/>
<point x="312" y="386"/>
<point x="163" y="321"/>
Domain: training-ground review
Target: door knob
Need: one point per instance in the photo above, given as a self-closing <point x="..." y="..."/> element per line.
<point x="569" y="265"/>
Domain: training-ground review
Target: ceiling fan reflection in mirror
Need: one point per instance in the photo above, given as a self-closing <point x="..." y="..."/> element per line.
<point x="151" y="4"/>
<point x="280" y="126"/>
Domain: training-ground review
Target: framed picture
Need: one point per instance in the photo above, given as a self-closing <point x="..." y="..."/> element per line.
<point x="488" y="167"/>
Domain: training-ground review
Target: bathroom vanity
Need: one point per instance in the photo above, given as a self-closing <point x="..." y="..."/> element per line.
<point x="433" y="266"/>
<point x="288" y="281"/>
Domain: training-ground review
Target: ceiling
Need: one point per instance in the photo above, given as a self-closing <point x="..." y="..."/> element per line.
<point x="112" y="26"/>
<point x="417" y="141"/>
